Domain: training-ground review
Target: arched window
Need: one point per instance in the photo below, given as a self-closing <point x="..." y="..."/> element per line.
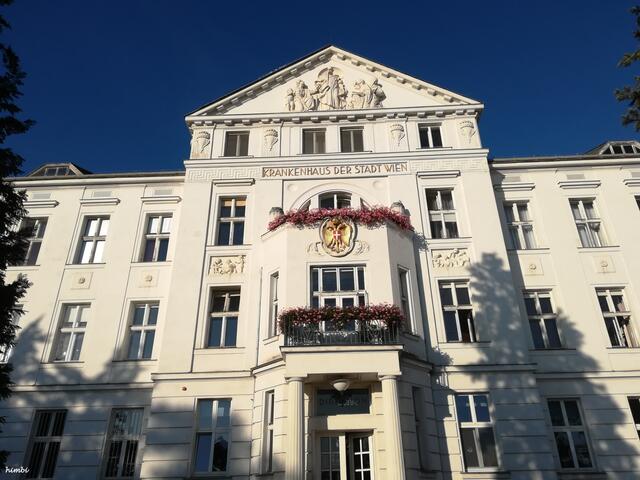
<point x="334" y="199"/>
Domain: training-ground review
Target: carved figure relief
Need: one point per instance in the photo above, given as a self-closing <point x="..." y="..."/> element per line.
<point x="337" y="236"/>
<point x="330" y="93"/>
<point x="467" y="130"/>
<point x="397" y="133"/>
<point x="227" y="265"/>
<point x="455" y="258"/>
<point x="270" y="139"/>
<point x="200" y="142"/>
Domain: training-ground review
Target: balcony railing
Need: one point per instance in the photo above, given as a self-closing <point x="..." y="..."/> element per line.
<point x="364" y="333"/>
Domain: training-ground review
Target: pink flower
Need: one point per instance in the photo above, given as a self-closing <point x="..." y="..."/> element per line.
<point x="370" y="217"/>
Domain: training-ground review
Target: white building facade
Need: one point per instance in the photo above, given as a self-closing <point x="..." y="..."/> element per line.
<point x="154" y="343"/>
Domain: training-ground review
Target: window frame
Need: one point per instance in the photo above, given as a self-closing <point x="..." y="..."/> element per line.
<point x="628" y="334"/>
<point x="93" y="239"/>
<point x="314" y="141"/>
<point x="427" y="127"/>
<point x="594" y="240"/>
<point x="213" y="430"/>
<point x="456" y="307"/>
<point x="568" y="429"/>
<point x="475" y="425"/>
<point x="6" y="351"/>
<point x="74" y="331"/>
<point x="274" y="280"/>
<point x="635" y="412"/>
<point x="238" y="134"/>
<point x="517" y="225"/>
<point x="156" y="237"/>
<point x="339" y="198"/>
<point x="145" y="328"/>
<point x="35" y="237"/>
<point x="48" y="439"/>
<point x="269" y="430"/>
<point x="232" y="220"/>
<point x="440" y="214"/>
<point x="406" y="298"/>
<point x="352" y="140"/>
<point x="541" y="318"/>
<point x="109" y="438"/>
<point x="225" y="315"/>
<point x="359" y="295"/>
<point x="419" y="418"/>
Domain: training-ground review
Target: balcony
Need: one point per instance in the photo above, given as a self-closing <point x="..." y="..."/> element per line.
<point x="361" y="333"/>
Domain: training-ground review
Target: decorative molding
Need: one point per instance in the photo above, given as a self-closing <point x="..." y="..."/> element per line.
<point x="41" y="204"/>
<point x="632" y="182"/>
<point x="210" y="174"/>
<point x="360" y="248"/>
<point x="227" y="265"/>
<point x="81" y="280"/>
<point x="447" y="259"/>
<point x="397" y="133"/>
<point x="161" y="199"/>
<point x="448" y="164"/>
<point x="514" y="187"/>
<point x="579" y="184"/>
<point x="100" y="201"/>
<point x="439" y="174"/>
<point x="467" y="130"/>
<point x="270" y="138"/>
<point x="201" y="143"/>
<point x="236" y="181"/>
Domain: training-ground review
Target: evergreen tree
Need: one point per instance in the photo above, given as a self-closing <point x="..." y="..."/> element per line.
<point x="631" y="94"/>
<point x="12" y="241"/>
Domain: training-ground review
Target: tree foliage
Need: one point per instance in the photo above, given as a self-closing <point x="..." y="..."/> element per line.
<point x="631" y="93"/>
<point x="12" y="241"/>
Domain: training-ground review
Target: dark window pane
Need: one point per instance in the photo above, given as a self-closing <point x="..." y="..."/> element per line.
<point x="234" y="303"/>
<point x="436" y="137"/>
<point x="149" y="246"/>
<point x="35" y="459"/>
<point x="231" y="332"/>
<point x="424" y="137"/>
<point x="358" y="144"/>
<point x="452" y="229"/>
<point x="329" y="281"/>
<point x="602" y="300"/>
<point x="224" y="231"/>
<point x="482" y="408"/>
<point x="147" y="349"/>
<point x="345" y="140"/>
<point x="203" y="447"/>
<point x="243" y="149"/>
<point x="225" y="207"/>
<point x="361" y="285"/>
<point x="582" y="450"/>
<point x="219" y="303"/>
<point x="634" y="404"/>
<point x="611" y="330"/>
<point x="112" y="460"/>
<point x="134" y="345"/>
<point x="555" y="411"/>
<point x="552" y="333"/>
<point x="436" y="229"/>
<point x="466" y="325"/>
<point x="50" y="460"/>
<point x="220" y="453"/>
<point x="241" y="206"/>
<point x="545" y="305"/>
<point x="573" y="412"/>
<point x="215" y="332"/>
<point x="347" y="280"/>
<point x="348" y="302"/>
<point x="153" y="315"/>
<point x="445" y="295"/>
<point x="462" y="292"/>
<point x="314" y="279"/>
<point x="564" y="449"/>
<point x="33" y="253"/>
<point x="238" y="233"/>
<point x="530" y="305"/>
<point x="469" y="448"/>
<point x="536" y="334"/>
<point x="162" y="250"/>
<point x="463" y="408"/>
<point x="327" y="202"/>
<point x="488" y="446"/>
<point x="451" y="327"/>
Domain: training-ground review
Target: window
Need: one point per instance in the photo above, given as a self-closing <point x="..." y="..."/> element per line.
<point x="620" y="149"/>
<point x="213" y="435"/>
<point x="519" y="225"/>
<point x="57" y="171"/>
<point x="313" y="141"/>
<point x="125" y="434"/>
<point x="34" y="229"/>
<point x="588" y="223"/>
<point x="569" y="434"/>
<point x="156" y="241"/>
<point x="542" y="320"/>
<point x="335" y="200"/>
<point x="405" y="296"/>
<point x="337" y="287"/>
<point x="634" y="404"/>
<point x="418" y="419"/>
<point x="46" y="435"/>
<point x="476" y="431"/>
<point x="273" y="304"/>
<point x="7" y="350"/>
<point x="231" y="221"/>
<point x="71" y="333"/>
<point x="430" y="136"/>
<point x="142" y="331"/>
<point x="442" y="214"/>
<point x="269" y="409"/>
<point x="236" y="144"/>
<point x="223" y="321"/>
<point x="457" y="312"/>
<point x="93" y="239"/>
<point x="617" y="317"/>
<point x="351" y="140"/>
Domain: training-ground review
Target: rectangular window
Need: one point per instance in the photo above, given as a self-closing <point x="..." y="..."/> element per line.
<point x="94" y="236"/>
<point x="269" y="410"/>
<point x="351" y="140"/>
<point x="142" y="331"/>
<point x="405" y="297"/>
<point x="313" y="141"/>
<point x="520" y="225"/>
<point x="542" y="320"/>
<point x="418" y="420"/>
<point x="442" y="214"/>
<point x="588" y="223"/>
<point x="46" y="435"/>
<point x="338" y="287"/>
<point x="430" y="136"/>
<point x="476" y="431"/>
<point x="231" y="221"/>
<point x="457" y="312"/>
<point x="273" y="304"/>
<point x="71" y="333"/>
<point x="213" y="435"/>
<point x="223" y="319"/>
<point x="124" y="436"/>
<point x="156" y="239"/>
<point x="236" y="144"/>
<point x="570" y="434"/>
<point x="33" y="228"/>
<point x="7" y="350"/>
<point x="617" y="317"/>
<point x="634" y="405"/>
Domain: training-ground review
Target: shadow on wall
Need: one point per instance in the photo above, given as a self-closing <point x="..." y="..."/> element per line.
<point x="521" y="443"/>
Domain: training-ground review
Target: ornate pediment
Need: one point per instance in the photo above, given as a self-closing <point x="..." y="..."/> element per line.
<point x="331" y="80"/>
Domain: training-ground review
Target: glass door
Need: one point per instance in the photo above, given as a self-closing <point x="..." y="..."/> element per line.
<point x="360" y="457"/>
<point x="331" y="463"/>
<point x="345" y="456"/>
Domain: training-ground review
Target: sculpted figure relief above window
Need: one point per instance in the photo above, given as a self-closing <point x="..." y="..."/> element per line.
<point x="329" y="93"/>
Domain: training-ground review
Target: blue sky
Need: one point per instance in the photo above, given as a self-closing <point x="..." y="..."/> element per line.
<point x="109" y="82"/>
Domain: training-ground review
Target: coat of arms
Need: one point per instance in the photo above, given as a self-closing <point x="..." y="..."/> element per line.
<point x="337" y="235"/>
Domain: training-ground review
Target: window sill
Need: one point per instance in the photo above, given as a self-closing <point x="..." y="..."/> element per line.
<point x="552" y="351"/>
<point x="164" y="262"/>
<point x="121" y="361"/>
<point x="26" y="268"/>
<point x="270" y="340"/>
<point x="75" y="266"/>
<point x="578" y="475"/>
<point x="460" y="345"/>
<point x="604" y="248"/>
<point x="620" y="350"/>
<point x="437" y="241"/>
<point x="236" y="156"/>
<point x="72" y="363"/>
<point x="244" y="246"/>
<point x="217" y="350"/>
<point x="485" y="474"/>
<point x="430" y="149"/>
<point x="528" y="250"/>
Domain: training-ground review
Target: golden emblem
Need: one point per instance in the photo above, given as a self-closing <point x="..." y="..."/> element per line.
<point x="337" y="235"/>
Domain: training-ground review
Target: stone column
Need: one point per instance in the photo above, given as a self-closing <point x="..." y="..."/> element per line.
<point x="294" y="466"/>
<point x="392" y="427"/>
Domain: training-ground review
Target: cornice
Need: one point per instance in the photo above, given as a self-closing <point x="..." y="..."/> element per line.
<point x="514" y="187"/>
<point x="100" y="201"/>
<point x="571" y="184"/>
<point x="106" y="179"/>
<point x="161" y="199"/>
<point x="439" y="174"/>
<point x="632" y="182"/>
<point x="585" y="161"/>
<point x="41" y="204"/>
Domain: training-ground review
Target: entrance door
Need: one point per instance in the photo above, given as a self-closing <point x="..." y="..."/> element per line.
<point x="345" y="456"/>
